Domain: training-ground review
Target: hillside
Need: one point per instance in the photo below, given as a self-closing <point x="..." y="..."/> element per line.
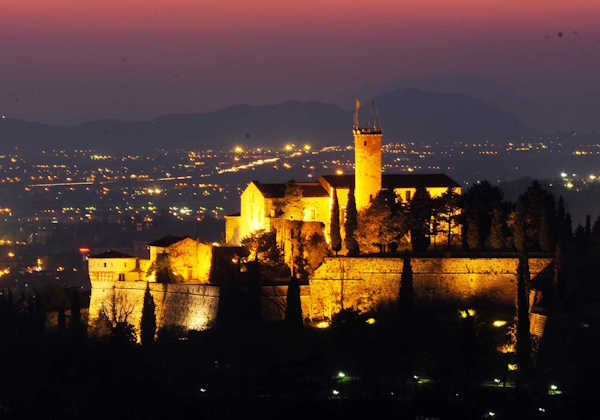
<point x="408" y="114"/>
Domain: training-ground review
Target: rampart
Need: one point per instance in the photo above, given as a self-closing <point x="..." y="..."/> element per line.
<point x="191" y="306"/>
<point x="369" y="283"/>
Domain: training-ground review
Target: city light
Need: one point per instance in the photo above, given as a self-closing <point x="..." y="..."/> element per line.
<point x="499" y="323"/>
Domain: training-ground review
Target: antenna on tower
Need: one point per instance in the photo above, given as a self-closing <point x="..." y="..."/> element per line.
<point x="356" y="113"/>
<point x="371" y="116"/>
<point x="377" y="117"/>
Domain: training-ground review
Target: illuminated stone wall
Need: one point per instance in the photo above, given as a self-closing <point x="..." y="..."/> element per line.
<point x="367" y="155"/>
<point x="369" y="283"/>
<point x="232" y="230"/>
<point x="194" y="307"/>
<point x="192" y="260"/>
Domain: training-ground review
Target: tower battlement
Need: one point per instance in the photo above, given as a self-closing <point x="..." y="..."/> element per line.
<point x="367" y="159"/>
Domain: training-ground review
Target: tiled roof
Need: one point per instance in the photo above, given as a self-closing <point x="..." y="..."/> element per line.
<point x="167" y="241"/>
<point x="395" y="180"/>
<point x="309" y="189"/>
<point x="415" y="180"/>
<point x="111" y="254"/>
<point x="339" y="181"/>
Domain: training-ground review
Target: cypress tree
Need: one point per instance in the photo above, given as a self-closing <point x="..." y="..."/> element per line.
<point x="559" y="274"/>
<point x="336" y="237"/>
<point x="568" y="229"/>
<point x="406" y="294"/>
<point x="148" y="321"/>
<point x="545" y="236"/>
<point x="293" y="309"/>
<point x="420" y="219"/>
<point x="523" y="345"/>
<point x="351" y="224"/>
<point x="473" y="234"/>
<point x="497" y="230"/>
<point x="519" y="232"/>
<point x="254" y="291"/>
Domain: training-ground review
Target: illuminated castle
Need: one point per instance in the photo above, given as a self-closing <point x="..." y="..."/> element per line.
<point x="260" y="204"/>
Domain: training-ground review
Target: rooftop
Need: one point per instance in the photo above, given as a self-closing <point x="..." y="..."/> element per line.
<point x="309" y="189"/>
<point x="167" y="241"/>
<point x="111" y="254"/>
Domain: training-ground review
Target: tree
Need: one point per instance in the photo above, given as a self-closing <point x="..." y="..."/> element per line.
<point x="262" y="247"/>
<point x="473" y="234"/>
<point x="482" y="198"/>
<point x="116" y="318"/>
<point x="497" y="230"/>
<point x="519" y="229"/>
<point x="148" y="321"/>
<point x="449" y="206"/>
<point x="378" y="227"/>
<point x="523" y="347"/>
<point x="406" y="294"/>
<point x="559" y="273"/>
<point x="254" y="291"/>
<point x="316" y="249"/>
<point x="336" y="237"/>
<point x="76" y="324"/>
<point x="351" y="224"/>
<point x="292" y="207"/>
<point x="293" y="309"/>
<point x="545" y="236"/>
<point x="419" y="219"/>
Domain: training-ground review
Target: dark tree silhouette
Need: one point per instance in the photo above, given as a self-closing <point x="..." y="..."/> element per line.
<point x="482" y="198"/>
<point x="292" y="207"/>
<point x="473" y="234"/>
<point x="519" y="228"/>
<point x="293" y="309"/>
<point x="419" y="219"/>
<point x="497" y="230"/>
<point x="449" y="206"/>
<point x="523" y="335"/>
<point x="148" y="321"/>
<point x="406" y="294"/>
<point x="336" y="237"/>
<point x="351" y="224"/>
<point x="545" y="234"/>
<point x="559" y="273"/>
<point x="116" y="317"/>
<point x="254" y="291"/>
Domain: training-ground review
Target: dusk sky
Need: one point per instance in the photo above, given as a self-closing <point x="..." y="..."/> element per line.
<point x="67" y="61"/>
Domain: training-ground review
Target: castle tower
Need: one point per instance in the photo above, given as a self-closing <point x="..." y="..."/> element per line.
<point x="367" y="156"/>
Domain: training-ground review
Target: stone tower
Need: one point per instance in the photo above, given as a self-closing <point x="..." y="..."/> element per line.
<point x="367" y="156"/>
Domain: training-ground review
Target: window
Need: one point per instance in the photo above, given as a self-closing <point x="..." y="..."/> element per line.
<point x="272" y="212"/>
<point x="104" y="264"/>
<point x="313" y="214"/>
<point x="407" y="195"/>
<point x="365" y="142"/>
<point x="370" y="197"/>
<point x="121" y="277"/>
<point x="125" y="264"/>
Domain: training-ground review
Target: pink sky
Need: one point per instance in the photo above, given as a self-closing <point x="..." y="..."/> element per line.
<point x="71" y="60"/>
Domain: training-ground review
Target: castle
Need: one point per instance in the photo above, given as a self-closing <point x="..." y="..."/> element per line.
<point x="189" y="295"/>
<point x="261" y="203"/>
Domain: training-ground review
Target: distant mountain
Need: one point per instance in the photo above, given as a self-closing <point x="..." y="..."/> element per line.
<point x="547" y="114"/>
<point x="414" y="115"/>
<point x="407" y="114"/>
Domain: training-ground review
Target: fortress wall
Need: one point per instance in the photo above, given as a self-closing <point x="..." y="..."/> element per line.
<point x="191" y="306"/>
<point x="368" y="283"/>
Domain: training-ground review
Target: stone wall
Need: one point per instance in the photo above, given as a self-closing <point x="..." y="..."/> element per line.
<point x="370" y="283"/>
<point x="193" y="307"/>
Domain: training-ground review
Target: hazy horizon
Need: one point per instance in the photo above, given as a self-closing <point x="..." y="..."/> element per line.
<point x="69" y="62"/>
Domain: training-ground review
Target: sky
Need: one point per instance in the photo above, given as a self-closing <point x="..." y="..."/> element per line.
<point x="69" y="61"/>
